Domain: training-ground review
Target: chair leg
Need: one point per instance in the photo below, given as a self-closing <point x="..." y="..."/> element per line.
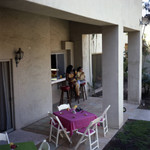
<point x="82" y="91"/>
<point x="79" y="142"/>
<point x="90" y="142"/>
<point x="96" y="142"/>
<point x="85" y="93"/>
<point x="68" y="97"/>
<point x="50" y="133"/>
<point x="105" y="127"/>
<point x="61" y="98"/>
<point x="97" y="137"/>
<point x="57" y="137"/>
<point x="68" y="137"/>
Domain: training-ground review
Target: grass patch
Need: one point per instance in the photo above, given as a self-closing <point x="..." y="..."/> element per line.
<point x="134" y="135"/>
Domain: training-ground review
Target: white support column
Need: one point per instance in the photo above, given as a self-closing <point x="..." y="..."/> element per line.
<point x="134" y="67"/>
<point x="112" y="74"/>
<point x="87" y="57"/>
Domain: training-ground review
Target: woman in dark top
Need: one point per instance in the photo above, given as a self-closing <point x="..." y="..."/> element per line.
<point x="70" y="77"/>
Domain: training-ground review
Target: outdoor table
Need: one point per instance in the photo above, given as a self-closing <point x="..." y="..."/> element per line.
<point x="72" y="121"/>
<point x="20" y="146"/>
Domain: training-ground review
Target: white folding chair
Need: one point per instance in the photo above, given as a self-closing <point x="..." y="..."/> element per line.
<point x="104" y="120"/>
<point x="4" y="137"/>
<point x="88" y="132"/>
<point x="57" y="125"/>
<point x="63" y="106"/>
<point x="44" y="146"/>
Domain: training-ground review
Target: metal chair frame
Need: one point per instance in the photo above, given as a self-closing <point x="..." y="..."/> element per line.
<point x="57" y="125"/>
<point x="90" y="131"/>
<point x="104" y="121"/>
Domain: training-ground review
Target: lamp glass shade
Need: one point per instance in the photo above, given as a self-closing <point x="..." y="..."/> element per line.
<point x="20" y="54"/>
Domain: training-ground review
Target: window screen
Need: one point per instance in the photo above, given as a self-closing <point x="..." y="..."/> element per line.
<point x="60" y="64"/>
<point x="97" y="69"/>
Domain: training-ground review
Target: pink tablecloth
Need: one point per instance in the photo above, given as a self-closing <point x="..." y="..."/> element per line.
<point x="72" y="121"/>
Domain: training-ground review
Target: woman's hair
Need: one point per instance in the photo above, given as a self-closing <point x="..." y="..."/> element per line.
<point x="69" y="69"/>
<point x="79" y="68"/>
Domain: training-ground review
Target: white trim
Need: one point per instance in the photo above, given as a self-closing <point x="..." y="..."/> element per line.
<point x="57" y="81"/>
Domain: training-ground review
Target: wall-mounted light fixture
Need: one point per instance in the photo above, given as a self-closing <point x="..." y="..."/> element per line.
<point x="18" y="56"/>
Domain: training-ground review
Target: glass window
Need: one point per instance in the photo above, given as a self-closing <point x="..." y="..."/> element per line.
<point x="58" y="63"/>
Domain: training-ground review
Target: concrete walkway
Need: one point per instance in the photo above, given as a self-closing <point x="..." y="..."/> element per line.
<point x="134" y="113"/>
<point x="93" y="105"/>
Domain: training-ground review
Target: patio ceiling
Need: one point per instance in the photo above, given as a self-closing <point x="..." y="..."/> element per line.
<point x="26" y="6"/>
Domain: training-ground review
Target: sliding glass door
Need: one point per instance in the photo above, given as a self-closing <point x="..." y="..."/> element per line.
<point x="6" y="97"/>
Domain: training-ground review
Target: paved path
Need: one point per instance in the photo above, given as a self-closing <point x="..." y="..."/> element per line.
<point x="138" y="114"/>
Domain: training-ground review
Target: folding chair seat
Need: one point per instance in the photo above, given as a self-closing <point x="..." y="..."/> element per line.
<point x="88" y="132"/>
<point x="4" y="137"/>
<point x="63" y="106"/>
<point x="57" y="125"/>
<point x="104" y="121"/>
<point x="81" y="131"/>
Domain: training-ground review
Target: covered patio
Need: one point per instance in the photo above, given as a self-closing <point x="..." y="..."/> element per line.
<point x="93" y="105"/>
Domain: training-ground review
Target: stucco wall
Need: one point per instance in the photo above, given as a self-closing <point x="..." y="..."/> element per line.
<point x="37" y="36"/>
<point x="59" y="31"/>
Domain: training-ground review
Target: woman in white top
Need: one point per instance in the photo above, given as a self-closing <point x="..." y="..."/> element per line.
<point x="80" y="75"/>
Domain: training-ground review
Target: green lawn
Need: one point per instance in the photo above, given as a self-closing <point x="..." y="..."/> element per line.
<point x="134" y="135"/>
